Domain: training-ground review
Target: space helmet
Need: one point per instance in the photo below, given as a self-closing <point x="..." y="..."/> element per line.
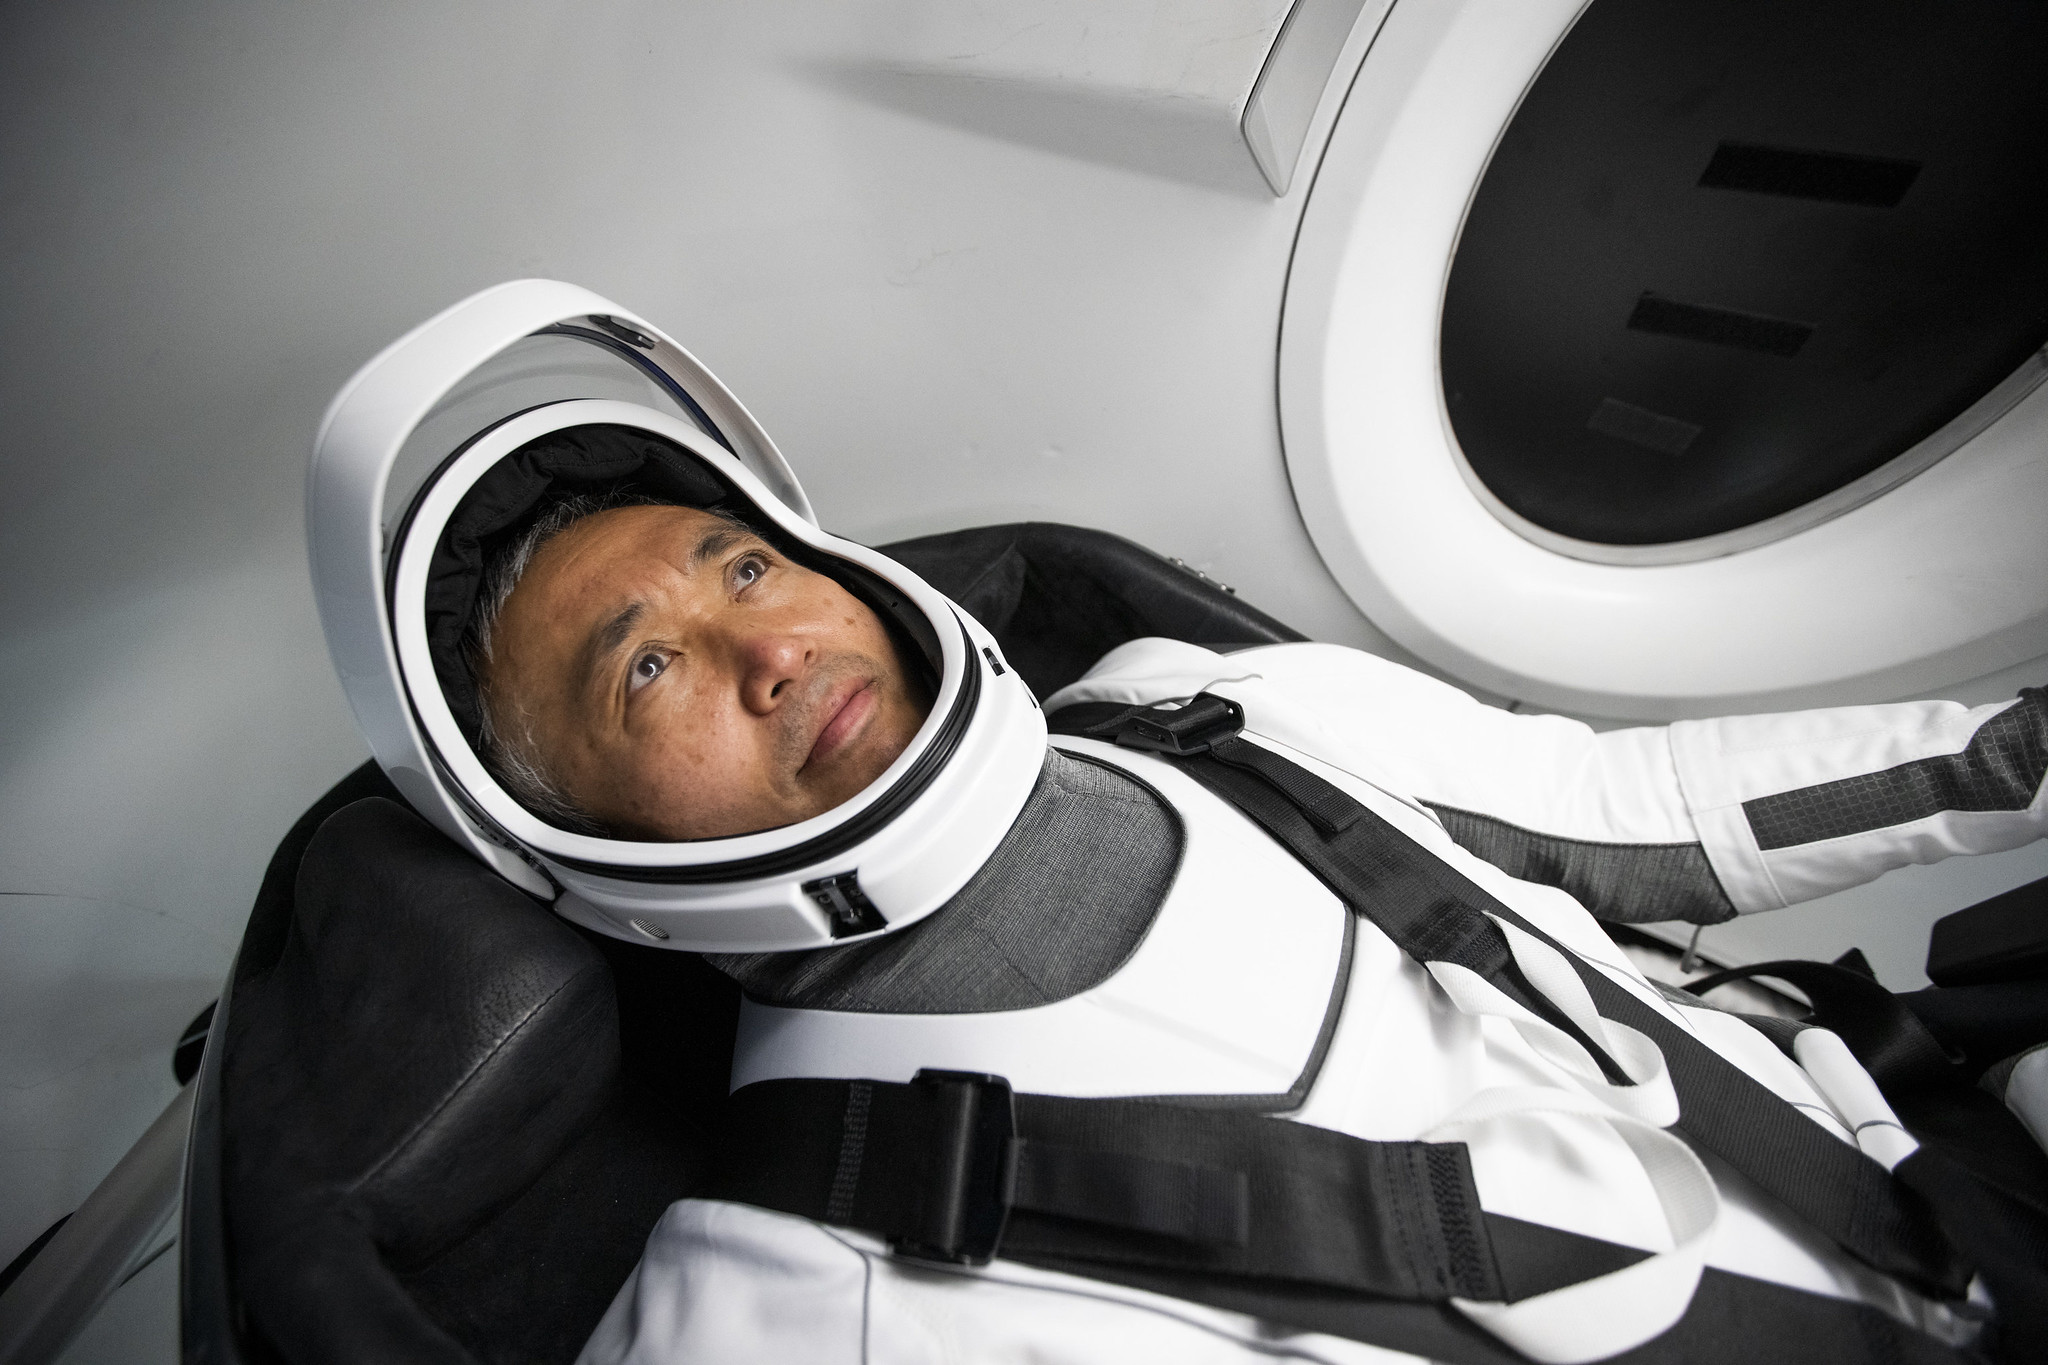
<point x="455" y="437"/>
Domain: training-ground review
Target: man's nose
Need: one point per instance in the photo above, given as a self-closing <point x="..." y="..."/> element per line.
<point x="773" y="665"/>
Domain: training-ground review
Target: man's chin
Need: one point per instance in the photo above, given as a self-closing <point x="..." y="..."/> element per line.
<point x="861" y="763"/>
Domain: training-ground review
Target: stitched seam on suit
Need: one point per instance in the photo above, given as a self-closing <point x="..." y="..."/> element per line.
<point x="1875" y="732"/>
<point x="1189" y="1313"/>
<point x="1442" y="809"/>
<point x="853" y="1143"/>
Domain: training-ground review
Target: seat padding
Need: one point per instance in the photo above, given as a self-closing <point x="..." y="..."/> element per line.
<point x="427" y="1043"/>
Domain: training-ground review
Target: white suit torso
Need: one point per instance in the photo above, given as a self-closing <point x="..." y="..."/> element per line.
<point x="1227" y="993"/>
<point x="1254" y="981"/>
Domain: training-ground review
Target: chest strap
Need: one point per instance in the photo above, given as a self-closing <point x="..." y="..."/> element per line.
<point x="1435" y="914"/>
<point x="1244" y="1212"/>
<point x="954" y="1166"/>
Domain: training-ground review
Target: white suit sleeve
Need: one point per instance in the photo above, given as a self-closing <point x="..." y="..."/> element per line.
<point x="1794" y="806"/>
<point x="1699" y="820"/>
<point x="1713" y="817"/>
<point x="1544" y="798"/>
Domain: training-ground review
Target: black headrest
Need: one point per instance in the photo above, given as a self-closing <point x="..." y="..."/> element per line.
<point x="428" y="1044"/>
<point x="590" y="460"/>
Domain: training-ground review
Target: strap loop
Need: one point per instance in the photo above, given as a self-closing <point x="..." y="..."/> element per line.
<point x="1176" y="730"/>
<point x="1327" y="808"/>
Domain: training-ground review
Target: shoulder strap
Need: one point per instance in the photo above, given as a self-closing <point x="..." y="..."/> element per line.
<point x="1433" y="913"/>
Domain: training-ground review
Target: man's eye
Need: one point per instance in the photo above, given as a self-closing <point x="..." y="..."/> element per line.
<point x="647" y="668"/>
<point x="748" y="571"/>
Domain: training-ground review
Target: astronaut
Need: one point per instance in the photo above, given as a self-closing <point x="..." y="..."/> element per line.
<point x="1258" y="1007"/>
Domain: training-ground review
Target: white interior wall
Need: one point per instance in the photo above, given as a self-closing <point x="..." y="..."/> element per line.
<point x="969" y="264"/>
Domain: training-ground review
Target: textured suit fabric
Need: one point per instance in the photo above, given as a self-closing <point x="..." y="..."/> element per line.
<point x="1060" y="905"/>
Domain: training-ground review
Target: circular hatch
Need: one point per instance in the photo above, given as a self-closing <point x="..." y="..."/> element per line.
<point x="1661" y="356"/>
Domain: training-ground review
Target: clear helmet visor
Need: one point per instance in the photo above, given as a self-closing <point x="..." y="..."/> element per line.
<point x="583" y="357"/>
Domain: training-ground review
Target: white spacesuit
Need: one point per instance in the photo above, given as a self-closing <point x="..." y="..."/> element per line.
<point x="1227" y="992"/>
<point x="1110" y="919"/>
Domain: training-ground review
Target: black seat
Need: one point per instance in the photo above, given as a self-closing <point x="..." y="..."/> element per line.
<point x="435" y="1123"/>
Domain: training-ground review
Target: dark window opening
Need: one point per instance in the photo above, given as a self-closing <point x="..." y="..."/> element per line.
<point x="1732" y="255"/>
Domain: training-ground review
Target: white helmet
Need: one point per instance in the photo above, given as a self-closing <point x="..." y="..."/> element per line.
<point x="394" y="517"/>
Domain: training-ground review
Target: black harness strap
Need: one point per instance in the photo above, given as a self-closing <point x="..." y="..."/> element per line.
<point x="1976" y="1163"/>
<point x="1831" y="1185"/>
<point x="1427" y="915"/>
<point x="1293" y="1224"/>
<point x="1433" y="913"/>
<point x="1889" y="1039"/>
<point x="1732" y="1318"/>
<point x="953" y="1165"/>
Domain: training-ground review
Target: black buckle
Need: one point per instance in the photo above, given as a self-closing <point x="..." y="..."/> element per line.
<point x="1205" y="720"/>
<point x="969" y="1171"/>
<point x="846" y="906"/>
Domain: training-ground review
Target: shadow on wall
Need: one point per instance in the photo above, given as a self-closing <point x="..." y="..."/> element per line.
<point x="1161" y="133"/>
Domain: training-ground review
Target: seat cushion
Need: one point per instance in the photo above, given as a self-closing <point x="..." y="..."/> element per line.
<point x="429" y="1040"/>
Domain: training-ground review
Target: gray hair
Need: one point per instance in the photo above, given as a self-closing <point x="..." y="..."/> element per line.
<point x="510" y="754"/>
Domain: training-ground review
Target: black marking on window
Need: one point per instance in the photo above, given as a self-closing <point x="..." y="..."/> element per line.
<point x="1640" y="426"/>
<point x="1719" y="326"/>
<point x="2001" y="769"/>
<point x="1834" y="177"/>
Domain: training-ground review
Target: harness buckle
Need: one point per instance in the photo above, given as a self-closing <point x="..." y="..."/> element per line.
<point x="969" y="1171"/>
<point x="1204" y="720"/>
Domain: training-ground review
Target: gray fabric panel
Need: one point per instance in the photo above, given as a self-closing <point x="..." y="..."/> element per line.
<point x="1620" y="883"/>
<point x="2001" y="769"/>
<point x="1062" y="903"/>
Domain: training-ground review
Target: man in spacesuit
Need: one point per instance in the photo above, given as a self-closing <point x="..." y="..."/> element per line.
<point x="663" y="673"/>
<point x="1262" y="1010"/>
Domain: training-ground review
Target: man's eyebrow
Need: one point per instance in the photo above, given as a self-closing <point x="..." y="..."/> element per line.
<point x="716" y="540"/>
<point x="610" y="637"/>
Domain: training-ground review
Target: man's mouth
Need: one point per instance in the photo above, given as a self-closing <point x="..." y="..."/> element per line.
<point x="846" y="708"/>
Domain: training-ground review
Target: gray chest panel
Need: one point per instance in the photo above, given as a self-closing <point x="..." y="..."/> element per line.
<point x="1062" y="904"/>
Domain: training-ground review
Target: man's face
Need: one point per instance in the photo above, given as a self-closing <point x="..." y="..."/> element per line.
<point x="679" y="679"/>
